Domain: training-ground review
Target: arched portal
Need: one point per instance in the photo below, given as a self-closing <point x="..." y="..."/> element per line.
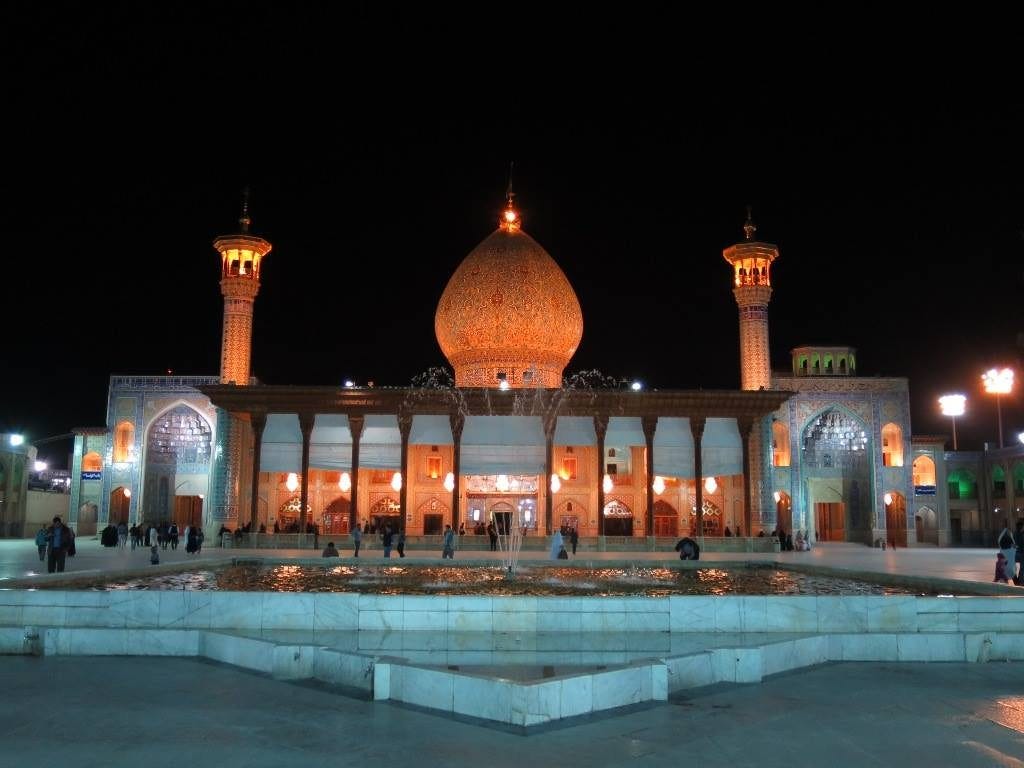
<point x="924" y="473"/>
<point x="176" y="481"/>
<point x="926" y="523"/>
<point x="336" y="517"/>
<point x="386" y="511"/>
<point x="120" y="507"/>
<point x="618" y="519"/>
<point x="433" y="513"/>
<point x="500" y="514"/>
<point x="836" y="467"/>
<point x="92" y="462"/>
<point x="87" y="515"/>
<point x="666" y="519"/>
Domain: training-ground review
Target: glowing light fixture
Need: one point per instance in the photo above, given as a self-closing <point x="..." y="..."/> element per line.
<point x="345" y="482"/>
<point x="710" y="485"/>
<point x="501" y="483"/>
<point x="17" y="440"/>
<point x="777" y="496"/>
<point x="396" y="482"/>
<point x="953" y="406"/>
<point x="998" y="383"/>
<point x="607" y="483"/>
<point x="556" y="484"/>
<point x="292" y="482"/>
<point x="636" y="386"/>
<point x="39" y="466"/>
<point x="1020" y="436"/>
<point x="503" y="385"/>
<point x="349" y="383"/>
<point x="449" y="482"/>
<point x="658" y="486"/>
<point x="887" y="499"/>
<point x="127" y="492"/>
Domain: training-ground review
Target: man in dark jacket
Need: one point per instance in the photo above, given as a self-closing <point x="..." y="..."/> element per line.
<point x="60" y="540"/>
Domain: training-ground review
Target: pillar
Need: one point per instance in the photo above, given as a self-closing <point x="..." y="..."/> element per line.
<point x="405" y="428"/>
<point x="306" y="425"/>
<point x="697" y="429"/>
<point x="650" y="424"/>
<point x="601" y="429"/>
<point x="258" y="421"/>
<point x="457" y="421"/>
<point x="355" y="426"/>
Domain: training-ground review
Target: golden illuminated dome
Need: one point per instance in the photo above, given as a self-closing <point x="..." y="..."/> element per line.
<point x="508" y="313"/>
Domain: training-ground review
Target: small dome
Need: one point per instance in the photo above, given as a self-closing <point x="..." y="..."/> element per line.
<point x="508" y="313"/>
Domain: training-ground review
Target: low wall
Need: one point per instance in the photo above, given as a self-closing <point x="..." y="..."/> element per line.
<point x="165" y="609"/>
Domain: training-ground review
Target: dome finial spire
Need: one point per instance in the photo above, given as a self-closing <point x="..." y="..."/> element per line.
<point x="509" y="220"/>
<point x="750" y="228"/>
<point x="244" y="221"/>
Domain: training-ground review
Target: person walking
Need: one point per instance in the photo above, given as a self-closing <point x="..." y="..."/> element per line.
<point x="386" y="539"/>
<point x="173" y="533"/>
<point x="41" y="542"/>
<point x="448" y="546"/>
<point x="122" y="534"/>
<point x="401" y="542"/>
<point x="357" y="539"/>
<point x="574" y="539"/>
<point x="1008" y="547"/>
<point x="556" y="544"/>
<point x="492" y="534"/>
<point x="62" y="543"/>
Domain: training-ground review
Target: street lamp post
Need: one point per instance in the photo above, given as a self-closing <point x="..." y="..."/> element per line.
<point x="998" y="383"/>
<point x="953" y="406"/>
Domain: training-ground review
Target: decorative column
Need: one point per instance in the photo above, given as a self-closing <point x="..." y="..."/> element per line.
<point x="457" y="421"/>
<point x="355" y="426"/>
<point x="650" y="425"/>
<point x="745" y="425"/>
<point x="549" y="470"/>
<point x="601" y="429"/>
<point x="697" y="429"/>
<point x="258" y="421"/>
<point x="306" y="425"/>
<point x="752" y="288"/>
<point x="405" y="428"/>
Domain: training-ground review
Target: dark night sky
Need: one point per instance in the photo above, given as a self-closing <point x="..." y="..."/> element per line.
<point x="894" y="194"/>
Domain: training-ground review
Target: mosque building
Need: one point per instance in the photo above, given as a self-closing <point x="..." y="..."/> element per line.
<point x="817" y="448"/>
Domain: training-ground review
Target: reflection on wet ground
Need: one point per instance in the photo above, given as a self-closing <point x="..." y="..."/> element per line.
<point x="482" y="580"/>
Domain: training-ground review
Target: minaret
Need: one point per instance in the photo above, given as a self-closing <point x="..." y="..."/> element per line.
<point x="240" y="256"/>
<point x="751" y="261"/>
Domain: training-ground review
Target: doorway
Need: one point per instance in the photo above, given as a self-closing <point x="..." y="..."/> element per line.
<point x="188" y="511"/>
<point x="831" y="521"/>
<point x="896" y="520"/>
<point x="87" y="514"/>
<point x="784" y="512"/>
<point x="120" y="505"/>
<point x="433" y="525"/>
<point x="666" y="519"/>
<point x="618" y="519"/>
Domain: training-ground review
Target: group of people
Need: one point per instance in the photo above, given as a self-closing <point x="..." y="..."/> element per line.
<point x="56" y="543"/>
<point x="1010" y="557"/>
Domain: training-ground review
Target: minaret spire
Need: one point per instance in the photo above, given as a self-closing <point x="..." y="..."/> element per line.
<point x="509" y="220"/>
<point x="244" y="221"/>
<point x="750" y="228"/>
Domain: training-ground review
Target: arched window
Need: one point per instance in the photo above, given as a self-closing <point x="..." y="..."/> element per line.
<point x="998" y="482"/>
<point x="124" y="441"/>
<point x="962" y="485"/>
<point x="924" y="472"/>
<point x="842" y="366"/>
<point x="892" y="446"/>
<point x="92" y="462"/>
<point x="780" y="444"/>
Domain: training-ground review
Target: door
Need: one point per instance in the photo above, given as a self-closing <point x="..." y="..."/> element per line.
<point x="188" y="510"/>
<point x="433" y="525"/>
<point x="831" y="521"/>
<point x="87" y="519"/>
<point x="666" y="526"/>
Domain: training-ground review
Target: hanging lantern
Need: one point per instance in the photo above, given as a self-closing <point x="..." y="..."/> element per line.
<point x="658" y="486"/>
<point x="396" y="481"/>
<point x="449" y="482"/>
<point x="710" y="485"/>
<point x="501" y="483"/>
<point x="887" y="499"/>
<point x="292" y="482"/>
<point x="345" y="482"/>
<point x="607" y="484"/>
<point x="556" y="484"/>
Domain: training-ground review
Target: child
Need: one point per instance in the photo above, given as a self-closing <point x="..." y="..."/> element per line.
<point x="1001" y="569"/>
<point x="154" y="555"/>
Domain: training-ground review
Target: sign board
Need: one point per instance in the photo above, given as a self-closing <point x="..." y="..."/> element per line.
<point x="924" y="490"/>
<point x="92" y="475"/>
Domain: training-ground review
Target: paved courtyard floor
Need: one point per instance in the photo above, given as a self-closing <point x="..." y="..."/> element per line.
<point x="89" y="712"/>
<point x="19" y="558"/>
